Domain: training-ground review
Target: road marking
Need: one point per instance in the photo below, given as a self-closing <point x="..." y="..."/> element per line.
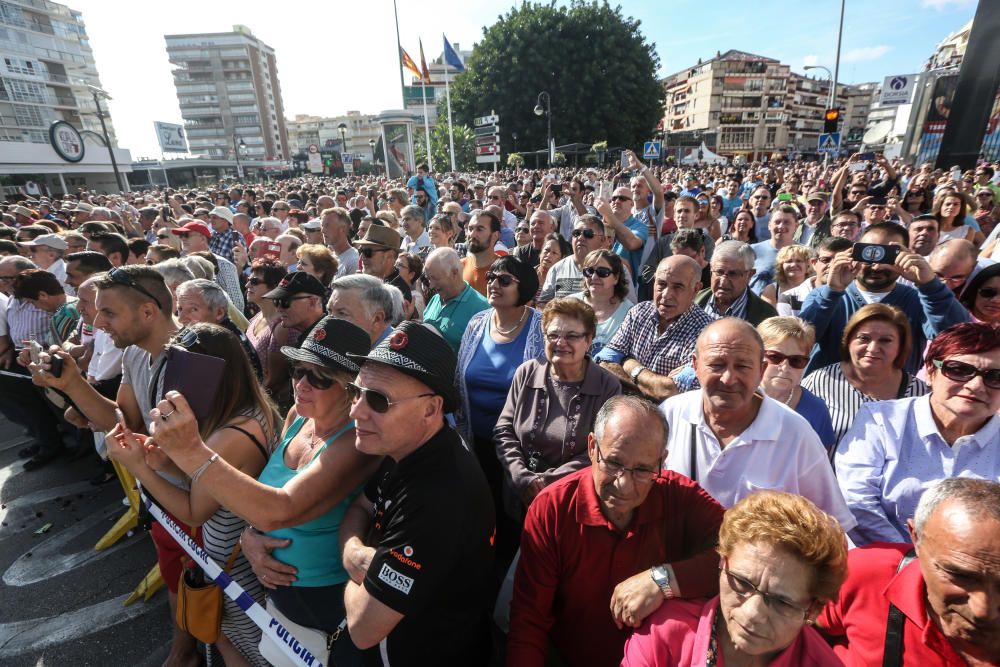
<point x="46" y="561"/>
<point x="39" y="633"/>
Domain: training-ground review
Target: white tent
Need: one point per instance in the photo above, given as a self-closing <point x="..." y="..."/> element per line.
<point x="702" y="155"/>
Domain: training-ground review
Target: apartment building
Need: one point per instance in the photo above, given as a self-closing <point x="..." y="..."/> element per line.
<point x="325" y="132"/>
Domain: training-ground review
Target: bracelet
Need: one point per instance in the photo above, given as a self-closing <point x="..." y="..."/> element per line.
<point x="200" y="470"/>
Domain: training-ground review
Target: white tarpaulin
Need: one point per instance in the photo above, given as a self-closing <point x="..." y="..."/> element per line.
<point x="702" y="155"/>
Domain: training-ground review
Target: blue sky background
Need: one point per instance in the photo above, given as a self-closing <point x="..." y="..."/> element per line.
<point x="341" y="55"/>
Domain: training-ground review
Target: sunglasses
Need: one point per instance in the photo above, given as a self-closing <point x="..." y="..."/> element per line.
<point x="959" y="371"/>
<point x="505" y="279"/>
<point x="256" y="281"/>
<point x="585" y="233"/>
<point x="184" y="235"/>
<point x="376" y="400"/>
<point x="521" y="230"/>
<point x="186" y="338"/>
<point x="285" y="302"/>
<point x="601" y="271"/>
<point x="120" y="277"/>
<point x="988" y="292"/>
<point x="369" y="252"/>
<point x="163" y="237"/>
<point x="796" y="361"/>
<point x="621" y="198"/>
<point x="316" y="379"/>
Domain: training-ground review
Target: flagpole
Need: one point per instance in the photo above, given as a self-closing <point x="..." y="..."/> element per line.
<point x="427" y="127"/>
<point x="451" y="134"/>
<point x="399" y="53"/>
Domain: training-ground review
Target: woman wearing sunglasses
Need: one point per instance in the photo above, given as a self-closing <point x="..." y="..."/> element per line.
<point x="982" y="296"/>
<point x="299" y="497"/>
<point x="782" y="560"/>
<point x="898" y="449"/>
<point x="787" y="342"/>
<point x="605" y="290"/>
<point x="874" y="348"/>
<point x="240" y="431"/>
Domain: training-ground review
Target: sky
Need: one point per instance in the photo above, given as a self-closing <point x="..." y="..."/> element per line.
<point x="339" y="56"/>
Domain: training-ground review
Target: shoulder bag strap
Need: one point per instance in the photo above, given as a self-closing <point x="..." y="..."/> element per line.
<point x="694" y="456"/>
<point x="893" y="654"/>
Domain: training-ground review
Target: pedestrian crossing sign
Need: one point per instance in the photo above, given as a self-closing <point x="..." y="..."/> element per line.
<point x="651" y="150"/>
<point x="829" y="143"/>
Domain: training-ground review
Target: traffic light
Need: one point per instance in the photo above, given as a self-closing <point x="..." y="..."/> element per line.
<point x="831" y="120"/>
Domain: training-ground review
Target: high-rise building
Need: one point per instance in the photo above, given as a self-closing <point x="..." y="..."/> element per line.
<point x="229" y="94"/>
<point x="47" y="70"/>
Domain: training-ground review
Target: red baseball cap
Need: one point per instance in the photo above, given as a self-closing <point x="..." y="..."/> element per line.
<point x="193" y="226"/>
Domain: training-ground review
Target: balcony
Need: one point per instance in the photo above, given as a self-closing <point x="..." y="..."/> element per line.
<point x="27" y="24"/>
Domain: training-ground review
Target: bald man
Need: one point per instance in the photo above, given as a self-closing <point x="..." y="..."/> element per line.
<point x="658" y="336"/>
<point x="734" y="440"/>
<point x="956" y="262"/>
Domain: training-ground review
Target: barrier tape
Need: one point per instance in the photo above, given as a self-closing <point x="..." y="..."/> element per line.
<point x="296" y="651"/>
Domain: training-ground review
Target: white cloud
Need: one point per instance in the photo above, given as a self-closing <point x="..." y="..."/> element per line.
<point x="865" y="53"/>
<point x="946" y="4"/>
<point x="811" y="60"/>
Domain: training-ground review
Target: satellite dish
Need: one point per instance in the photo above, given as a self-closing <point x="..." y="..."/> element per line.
<point x="877" y="133"/>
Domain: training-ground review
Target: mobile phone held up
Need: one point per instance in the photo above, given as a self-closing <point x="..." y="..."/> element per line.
<point x="866" y="157"/>
<point x="874" y="253"/>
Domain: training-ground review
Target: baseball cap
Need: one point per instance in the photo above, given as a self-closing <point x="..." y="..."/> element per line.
<point x="299" y="282"/>
<point x="193" y="226"/>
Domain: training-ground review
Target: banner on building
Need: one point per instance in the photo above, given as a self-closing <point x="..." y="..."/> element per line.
<point x="171" y="137"/>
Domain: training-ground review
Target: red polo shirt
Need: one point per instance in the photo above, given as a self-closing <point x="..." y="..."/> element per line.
<point x="572" y="558"/>
<point x="855" y="624"/>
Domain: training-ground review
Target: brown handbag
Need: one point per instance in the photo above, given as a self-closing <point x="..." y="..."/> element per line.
<point x="199" y="604"/>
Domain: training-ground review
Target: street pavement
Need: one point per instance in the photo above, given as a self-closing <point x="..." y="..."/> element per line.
<point x="60" y="600"/>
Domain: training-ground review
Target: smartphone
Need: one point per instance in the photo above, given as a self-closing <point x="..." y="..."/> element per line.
<point x="857" y="166"/>
<point x="785" y="196"/>
<point x="874" y="253"/>
<point x="557" y="189"/>
<point x="866" y="157"/>
<point x="605" y="188"/>
<point x="624" y="160"/>
<point x="120" y="418"/>
<point x="272" y="250"/>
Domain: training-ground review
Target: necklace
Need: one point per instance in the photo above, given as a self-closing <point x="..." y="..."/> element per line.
<point x="788" y="400"/>
<point x="496" y="325"/>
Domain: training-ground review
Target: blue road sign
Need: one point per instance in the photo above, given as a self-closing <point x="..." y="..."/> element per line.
<point x="651" y="150"/>
<point x="829" y="143"/>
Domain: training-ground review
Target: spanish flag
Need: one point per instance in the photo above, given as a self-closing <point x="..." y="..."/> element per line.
<point x="423" y="64"/>
<point x="409" y="64"/>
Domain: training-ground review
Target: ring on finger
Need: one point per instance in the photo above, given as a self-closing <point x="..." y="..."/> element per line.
<point x="166" y="415"/>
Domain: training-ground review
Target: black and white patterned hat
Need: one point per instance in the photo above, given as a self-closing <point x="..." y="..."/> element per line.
<point x="421" y="352"/>
<point x="331" y="344"/>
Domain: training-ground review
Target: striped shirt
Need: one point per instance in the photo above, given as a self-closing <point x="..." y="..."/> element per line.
<point x="843" y="400"/>
<point x="639" y="337"/>
<point x="737" y="309"/>
<point x="23" y="321"/>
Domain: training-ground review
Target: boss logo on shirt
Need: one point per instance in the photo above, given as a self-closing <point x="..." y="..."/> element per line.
<point x="400" y="582"/>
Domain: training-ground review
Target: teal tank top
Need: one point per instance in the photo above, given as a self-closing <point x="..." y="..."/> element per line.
<point x="315" y="547"/>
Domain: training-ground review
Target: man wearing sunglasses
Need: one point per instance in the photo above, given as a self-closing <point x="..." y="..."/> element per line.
<point x="299" y="301"/>
<point x="417" y="543"/>
<point x="378" y="250"/>
<point x="631" y="233"/>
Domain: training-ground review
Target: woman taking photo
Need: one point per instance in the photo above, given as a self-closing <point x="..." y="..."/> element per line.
<point x="265" y="331"/>
<point x="874" y="349"/>
<point x="775" y="545"/>
<point x="299" y="498"/>
<point x="898" y="449"/>
<point x="742" y="227"/>
<point x="982" y="296"/>
<point x="240" y="430"/>
<point x="787" y="343"/>
<point x="605" y="290"/>
<point x="791" y="269"/>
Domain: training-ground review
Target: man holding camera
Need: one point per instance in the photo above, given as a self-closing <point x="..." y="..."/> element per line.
<point x="856" y="278"/>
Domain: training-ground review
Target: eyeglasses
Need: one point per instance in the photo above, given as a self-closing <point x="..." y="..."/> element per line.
<point x="745" y="589"/>
<point x="376" y="400"/>
<point x="256" y="281"/>
<point x="186" y="338"/>
<point x="121" y="277"/>
<point x="600" y="271"/>
<point x="844" y="225"/>
<point x="369" y="252"/>
<point x="521" y="230"/>
<point x="285" y="302"/>
<point x="315" y="378"/>
<point x="796" y="361"/>
<point x="730" y="275"/>
<point x="585" y="233"/>
<point x="163" y="237"/>
<point x="616" y="470"/>
<point x="570" y="337"/>
<point x="505" y="279"/>
<point x="988" y="292"/>
<point x="959" y="371"/>
<point x="621" y="198"/>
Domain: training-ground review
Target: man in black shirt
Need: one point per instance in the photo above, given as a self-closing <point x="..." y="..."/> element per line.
<point x="418" y="543"/>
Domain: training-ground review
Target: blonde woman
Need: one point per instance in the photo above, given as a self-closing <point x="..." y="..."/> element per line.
<point x="791" y="269"/>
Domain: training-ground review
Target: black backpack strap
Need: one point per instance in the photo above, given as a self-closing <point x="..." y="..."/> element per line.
<point x="893" y="654"/>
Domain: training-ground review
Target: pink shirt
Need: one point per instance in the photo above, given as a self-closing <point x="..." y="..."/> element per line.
<point x="678" y="633"/>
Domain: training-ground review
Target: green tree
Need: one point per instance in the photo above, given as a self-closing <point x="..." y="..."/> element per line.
<point x="515" y="160"/>
<point x="598" y="68"/>
<point x="465" y="146"/>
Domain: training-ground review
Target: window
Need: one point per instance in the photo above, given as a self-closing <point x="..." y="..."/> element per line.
<point x="772" y="133"/>
<point x="30" y="116"/>
<point x="26" y="91"/>
<point x="22" y="66"/>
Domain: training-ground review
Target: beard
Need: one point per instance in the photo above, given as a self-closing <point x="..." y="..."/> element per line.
<point x="476" y="246"/>
<point x="876" y="280"/>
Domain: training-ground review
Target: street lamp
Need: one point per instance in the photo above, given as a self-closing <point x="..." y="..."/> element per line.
<point x="237" y="149"/>
<point x="829" y="99"/>
<point x="343" y="137"/>
<point x="513" y="135"/>
<point x="371" y="144"/>
<point x="97" y="93"/>
<point x="546" y="111"/>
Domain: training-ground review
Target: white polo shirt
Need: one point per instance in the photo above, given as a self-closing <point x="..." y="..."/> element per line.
<point x="778" y="451"/>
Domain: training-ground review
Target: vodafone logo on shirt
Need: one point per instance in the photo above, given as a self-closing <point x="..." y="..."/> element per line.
<point x="400" y="582"/>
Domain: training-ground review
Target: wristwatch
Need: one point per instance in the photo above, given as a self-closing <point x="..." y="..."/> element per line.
<point x="661" y="576"/>
<point x="635" y="372"/>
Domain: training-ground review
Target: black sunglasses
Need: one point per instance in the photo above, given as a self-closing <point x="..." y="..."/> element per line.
<point x="120" y="277"/>
<point x="285" y="302"/>
<point x="585" y="233"/>
<point x="376" y="400"/>
<point x="368" y="252"/>
<point x="256" y="281"/>
<point x="623" y="198"/>
<point x="505" y="279"/>
<point x="959" y="371"/>
<point x="601" y="271"/>
<point x="988" y="292"/>
<point x="315" y="378"/>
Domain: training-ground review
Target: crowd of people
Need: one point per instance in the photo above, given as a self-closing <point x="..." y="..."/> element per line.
<point x="580" y="416"/>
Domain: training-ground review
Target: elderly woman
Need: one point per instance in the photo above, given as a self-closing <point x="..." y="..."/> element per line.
<point x="605" y="290"/>
<point x="299" y="497"/>
<point x="787" y="342"/>
<point x="982" y="295"/>
<point x="898" y="449"/>
<point x="791" y="269"/>
<point x="496" y="342"/>
<point x="318" y="262"/>
<point x="874" y="348"/>
<point x="265" y="331"/>
<point x="541" y="435"/>
<point x="240" y="430"/>
<point x="553" y="249"/>
<point x="782" y="560"/>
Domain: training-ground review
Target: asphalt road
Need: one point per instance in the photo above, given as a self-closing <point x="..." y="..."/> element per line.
<point x="60" y="600"/>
